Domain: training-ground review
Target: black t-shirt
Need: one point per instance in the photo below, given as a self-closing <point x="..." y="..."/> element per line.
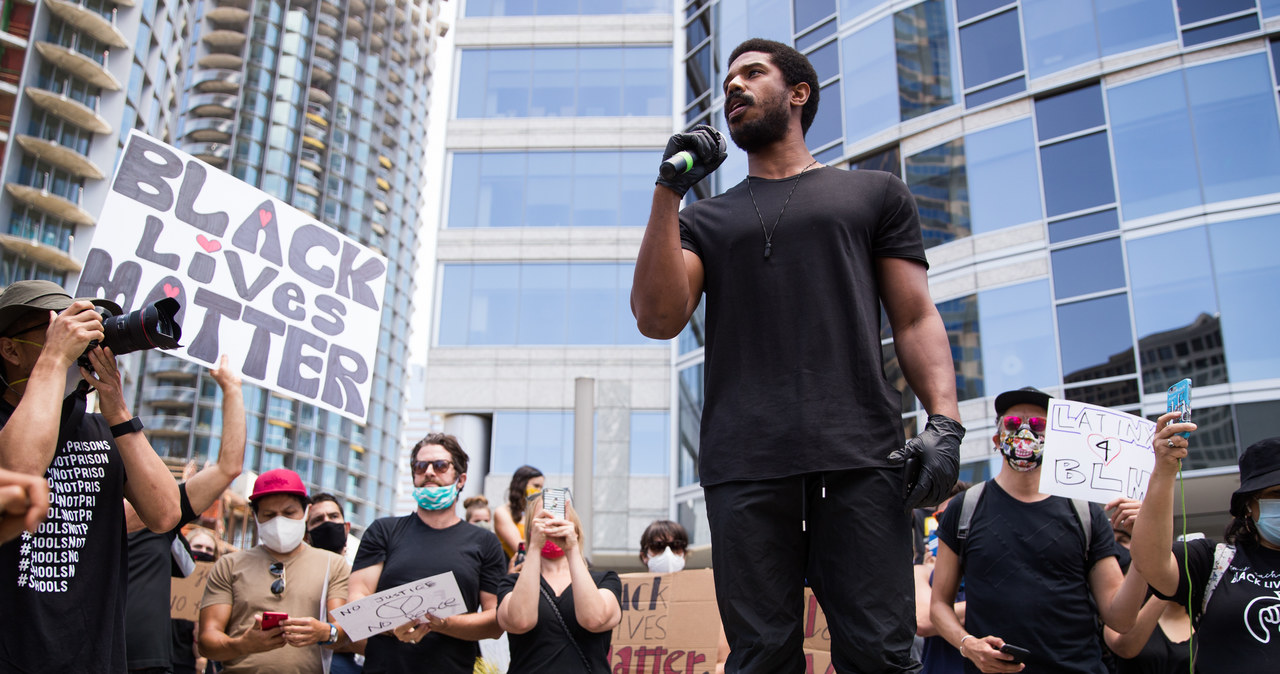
<point x="410" y="550"/>
<point x="62" y="589"/>
<point x="793" y="354"/>
<point x="148" y="634"/>
<point x="1026" y="577"/>
<point x="1158" y="656"/>
<point x="545" y="649"/>
<point x="1240" y="628"/>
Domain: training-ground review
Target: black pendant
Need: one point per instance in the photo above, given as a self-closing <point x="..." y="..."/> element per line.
<point x="768" y="249"/>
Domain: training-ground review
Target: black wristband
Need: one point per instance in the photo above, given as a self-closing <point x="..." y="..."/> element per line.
<point x="131" y="426"/>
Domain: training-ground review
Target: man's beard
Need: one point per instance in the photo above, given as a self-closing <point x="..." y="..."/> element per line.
<point x="764" y="131"/>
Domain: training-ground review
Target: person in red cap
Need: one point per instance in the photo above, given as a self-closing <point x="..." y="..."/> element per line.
<point x="63" y="586"/>
<point x="282" y="574"/>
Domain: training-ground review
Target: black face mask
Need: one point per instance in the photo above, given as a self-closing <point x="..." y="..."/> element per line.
<point x="201" y="556"/>
<point x="331" y="536"/>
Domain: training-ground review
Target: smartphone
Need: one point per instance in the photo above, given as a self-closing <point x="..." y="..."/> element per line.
<point x="1179" y="400"/>
<point x="553" y="501"/>
<point x="1019" y="654"/>
<point x="272" y="619"/>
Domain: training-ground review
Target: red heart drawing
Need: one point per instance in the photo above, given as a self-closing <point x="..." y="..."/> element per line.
<point x="207" y="245"/>
<point x="1104" y="448"/>
<point x="264" y="217"/>
<point x="171" y="290"/>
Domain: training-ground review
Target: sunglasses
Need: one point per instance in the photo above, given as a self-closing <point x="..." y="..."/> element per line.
<point x="657" y="547"/>
<point x="1013" y="422"/>
<point x="277" y="585"/>
<point x="438" y="466"/>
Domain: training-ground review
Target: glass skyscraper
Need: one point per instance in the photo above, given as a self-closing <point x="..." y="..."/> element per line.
<point x="1098" y="185"/>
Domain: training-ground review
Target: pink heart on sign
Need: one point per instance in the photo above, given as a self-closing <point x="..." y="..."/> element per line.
<point x="264" y="217"/>
<point x="171" y="290"/>
<point x="207" y="245"/>
<point x="1104" y="448"/>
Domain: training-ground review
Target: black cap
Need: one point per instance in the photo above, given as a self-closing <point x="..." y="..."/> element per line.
<point x="1259" y="469"/>
<point x="1028" y="395"/>
<point x="23" y="296"/>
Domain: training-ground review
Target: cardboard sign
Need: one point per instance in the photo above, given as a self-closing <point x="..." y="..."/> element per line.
<point x="1096" y="453"/>
<point x="670" y="623"/>
<point x="817" y="638"/>
<point x="185" y="593"/>
<point x="438" y="595"/>
<point x="295" y="303"/>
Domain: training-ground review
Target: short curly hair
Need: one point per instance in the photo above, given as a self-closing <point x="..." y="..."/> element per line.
<point x="795" y="69"/>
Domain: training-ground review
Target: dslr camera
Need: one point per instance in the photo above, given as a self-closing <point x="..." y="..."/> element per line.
<point x="154" y="326"/>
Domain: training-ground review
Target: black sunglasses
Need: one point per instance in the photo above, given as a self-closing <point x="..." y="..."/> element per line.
<point x="439" y="466"/>
<point x="277" y="585"/>
<point x="657" y="547"/>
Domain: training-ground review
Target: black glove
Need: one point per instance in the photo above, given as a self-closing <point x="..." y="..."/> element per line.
<point x="931" y="462"/>
<point x="708" y="149"/>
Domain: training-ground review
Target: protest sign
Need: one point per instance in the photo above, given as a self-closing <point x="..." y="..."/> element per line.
<point x="295" y="303"/>
<point x="670" y="623"/>
<point x="1096" y="453"/>
<point x="438" y="595"/>
<point x="185" y="593"/>
<point x="817" y="638"/>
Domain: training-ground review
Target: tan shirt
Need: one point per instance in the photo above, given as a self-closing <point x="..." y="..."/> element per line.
<point x="243" y="580"/>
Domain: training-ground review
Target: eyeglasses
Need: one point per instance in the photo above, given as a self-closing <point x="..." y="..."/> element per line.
<point x="438" y="466"/>
<point x="1013" y="423"/>
<point x="277" y="585"/>
<point x="657" y="547"/>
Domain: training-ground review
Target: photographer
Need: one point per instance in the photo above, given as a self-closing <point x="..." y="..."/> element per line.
<point x="65" y="583"/>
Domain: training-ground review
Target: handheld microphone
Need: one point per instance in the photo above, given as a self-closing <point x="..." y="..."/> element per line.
<point x="680" y="162"/>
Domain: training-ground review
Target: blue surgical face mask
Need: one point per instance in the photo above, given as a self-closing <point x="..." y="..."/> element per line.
<point x="436" y="497"/>
<point x="1269" y="520"/>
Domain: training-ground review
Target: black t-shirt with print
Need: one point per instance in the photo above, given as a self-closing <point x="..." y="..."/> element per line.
<point x="793" y="356"/>
<point x="410" y="550"/>
<point x="1240" y="628"/>
<point x="62" y="589"/>
<point x="149" y="636"/>
<point x="1026" y="577"/>
<point x="545" y="649"/>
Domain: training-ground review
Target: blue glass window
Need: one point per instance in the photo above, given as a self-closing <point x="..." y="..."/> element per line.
<point x="510" y="72"/>
<point x="826" y="61"/>
<point x="1059" y="35"/>
<point x="937" y="180"/>
<point x="1175" y="310"/>
<point x="495" y="301"/>
<point x="1125" y="25"/>
<point x="1069" y="112"/>
<point x="995" y="92"/>
<point x="1089" y="268"/>
<point x="809" y="12"/>
<point x="967" y="9"/>
<point x="599" y="84"/>
<point x="991" y="49"/>
<point x="927" y="70"/>
<point x="1233" y="109"/>
<point x="540" y="439"/>
<point x="1220" y="30"/>
<point x="649" y="453"/>
<point x="960" y="317"/>
<point x="1244" y="266"/>
<point x="871" y="105"/>
<point x="554" y="74"/>
<point x="689" y="422"/>
<point x="1077" y="174"/>
<point x="850" y="9"/>
<point x="1154" y="152"/>
<point x="826" y="124"/>
<point x="1017" y="337"/>
<point x="1191" y="11"/>
<point x="1084" y="225"/>
<point x="816" y="35"/>
<point x="738" y="21"/>
<point x="1275" y="58"/>
<point x="1004" y="188"/>
<point x="593" y="291"/>
<point x="1270" y="8"/>
<point x="1096" y="338"/>
<point x="543" y="304"/>
<point x="886" y="160"/>
<point x="550" y="191"/>
<point x="646" y="87"/>
<point x="565" y="7"/>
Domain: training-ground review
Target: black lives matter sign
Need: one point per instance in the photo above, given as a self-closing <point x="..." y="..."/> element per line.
<point x="296" y="304"/>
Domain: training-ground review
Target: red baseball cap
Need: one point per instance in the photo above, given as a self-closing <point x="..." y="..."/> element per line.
<point x="278" y="481"/>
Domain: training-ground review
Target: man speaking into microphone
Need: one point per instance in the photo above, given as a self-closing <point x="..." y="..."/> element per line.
<point x="802" y="459"/>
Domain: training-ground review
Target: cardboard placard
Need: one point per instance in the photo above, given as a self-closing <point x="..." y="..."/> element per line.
<point x="1096" y="453"/>
<point x="438" y="595"/>
<point x="817" y="638"/>
<point x="185" y="593"/>
<point x="670" y="623"/>
<point x="296" y="304"/>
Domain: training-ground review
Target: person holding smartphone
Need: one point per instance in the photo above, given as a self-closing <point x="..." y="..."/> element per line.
<point x="558" y="613"/>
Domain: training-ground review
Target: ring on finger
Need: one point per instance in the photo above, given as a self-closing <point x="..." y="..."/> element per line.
<point x="1170" y="443"/>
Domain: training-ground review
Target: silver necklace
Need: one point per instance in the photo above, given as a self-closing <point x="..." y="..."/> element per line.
<point x="768" y="233"/>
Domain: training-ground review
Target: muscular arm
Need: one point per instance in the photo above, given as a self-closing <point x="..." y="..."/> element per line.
<point x="1119" y="597"/>
<point x="919" y="336"/>
<point x="597" y="609"/>
<point x="668" y="279"/>
<point x="518" y="612"/>
<point x="482" y="624"/>
<point x="1129" y="644"/>
<point x="207" y="485"/>
<point x="216" y="644"/>
<point x="946" y="582"/>
<point x="1152" y="544"/>
<point x="363" y="582"/>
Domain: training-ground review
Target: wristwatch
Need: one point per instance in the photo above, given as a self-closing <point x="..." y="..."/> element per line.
<point x="131" y="426"/>
<point x="333" y="635"/>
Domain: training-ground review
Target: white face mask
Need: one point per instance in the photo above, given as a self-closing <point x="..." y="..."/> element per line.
<point x="282" y="534"/>
<point x="667" y="562"/>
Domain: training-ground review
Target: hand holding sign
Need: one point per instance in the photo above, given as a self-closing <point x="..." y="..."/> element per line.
<point x="1096" y="453"/>
<point x="403" y="608"/>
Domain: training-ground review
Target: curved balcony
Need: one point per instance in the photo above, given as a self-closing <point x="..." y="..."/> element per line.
<point x="79" y="65"/>
<point x="354" y="25"/>
<point x="217" y="80"/>
<point x="397" y="52"/>
<point x="69" y="109"/>
<point x="227" y="40"/>
<point x="224" y="61"/>
<point x="393" y="74"/>
<point x="227" y="15"/>
<point x="307" y="189"/>
<point x="50" y="203"/>
<point x="61" y="156"/>
<point x="87" y="20"/>
<point x="325" y="47"/>
<point x="213" y="105"/>
<point x="322" y="71"/>
<point x="375" y="39"/>
<point x="169" y="395"/>
<point x="328" y="25"/>
<point x="166" y="424"/>
<point x="45" y="254"/>
<point x="319" y="95"/>
<point x="331" y="7"/>
<point x="382" y="184"/>
<point x="210" y="129"/>
<point x="380" y="4"/>
<point x="400" y="17"/>
<point x="313" y="143"/>
<point x="357" y="6"/>
<point x="212" y="153"/>
<point x="242" y="4"/>
<point x="162" y="364"/>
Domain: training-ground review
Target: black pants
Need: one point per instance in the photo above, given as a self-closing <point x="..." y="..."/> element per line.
<point x="854" y="550"/>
